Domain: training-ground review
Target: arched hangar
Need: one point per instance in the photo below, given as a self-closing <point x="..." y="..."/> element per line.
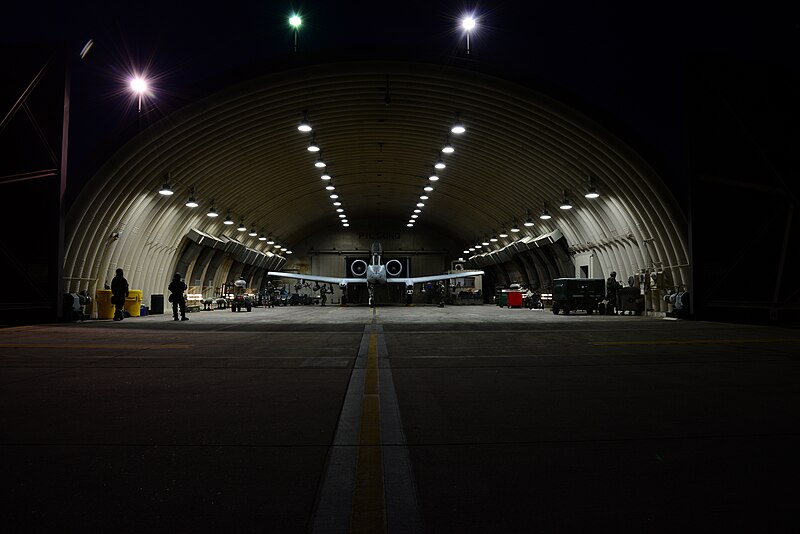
<point x="380" y="128"/>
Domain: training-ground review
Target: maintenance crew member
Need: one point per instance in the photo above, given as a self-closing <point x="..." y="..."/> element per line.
<point x="176" y="288"/>
<point x="119" y="292"/>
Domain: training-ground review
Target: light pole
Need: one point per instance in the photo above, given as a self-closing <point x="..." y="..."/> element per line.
<point x="295" y="21"/>
<point x="468" y="23"/>
<point x="139" y="86"/>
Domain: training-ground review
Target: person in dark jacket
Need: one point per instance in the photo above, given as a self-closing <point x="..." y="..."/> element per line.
<point x="119" y="292"/>
<point x="176" y="288"/>
<point x="612" y="286"/>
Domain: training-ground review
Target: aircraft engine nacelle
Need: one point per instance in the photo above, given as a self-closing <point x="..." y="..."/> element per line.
<point x="358" y="268"/>
<point x="394" y="267"/>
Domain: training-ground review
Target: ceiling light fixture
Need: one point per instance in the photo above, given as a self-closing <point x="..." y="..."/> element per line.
<point x="270" y="241"/>
<point x="334" y="195"/>
<point x="241" y="227"/>
<point x="262" y="237"/>
<point x="423" y="197"/>
<point x="503" y="233"/>
<point x="528" y="220"/>
<point x="433" y="177"/>
<point x="545" y="214"/>
<point x="565" y="203"/>
<point x="591" y="190"/>
<point x="428" y="187"/>
<point x="213" y="211"/>
<point x="228" y="220"/>
<point x="326" y="176"/>
<point x="192" y="202"/>
<point x="458" y="127"/>
<point x="304" y="125"/>
<point x="448" y="148"/>
<point x="330" y="186"/>
<point x="313" y="146"/>
<point x="514" y="227"/>
<point x="440" y="164"/>
<point x="252" y="232"/>
<point x="420" y="205"/>
<point x="320" y="163"/>
<point x="166" y="190"/>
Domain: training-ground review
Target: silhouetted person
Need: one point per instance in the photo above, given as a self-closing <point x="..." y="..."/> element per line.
<point x="176" y="288"/>
<point x="441" y="292"/>
<point x="119" y="292"/>
<point x="612" y="286"/>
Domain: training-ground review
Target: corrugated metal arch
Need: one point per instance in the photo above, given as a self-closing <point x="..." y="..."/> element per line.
<point x="240" y="147"/>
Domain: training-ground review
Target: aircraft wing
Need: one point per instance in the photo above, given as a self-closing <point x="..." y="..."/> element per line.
<point x="325" y="279"/>
<point x="434" y="278"/>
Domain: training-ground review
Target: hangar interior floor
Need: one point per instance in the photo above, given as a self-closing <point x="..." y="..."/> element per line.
<point x="462" y="419"/>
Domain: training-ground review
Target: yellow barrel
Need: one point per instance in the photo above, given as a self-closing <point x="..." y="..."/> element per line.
<point x="133" y="302"/>
<point x="105" y="310"/>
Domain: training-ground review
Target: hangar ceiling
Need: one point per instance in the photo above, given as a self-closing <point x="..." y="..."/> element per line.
<point x="381" y="126"/>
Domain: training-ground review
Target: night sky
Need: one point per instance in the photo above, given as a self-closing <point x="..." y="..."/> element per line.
<point x="621" y="63"/>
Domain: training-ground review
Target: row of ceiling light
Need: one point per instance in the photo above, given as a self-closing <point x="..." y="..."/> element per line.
<point x="565" y="204"/>
<point x="457" y="129"/>
<point x="212" y="212"/>
<point x="313" y="147"/>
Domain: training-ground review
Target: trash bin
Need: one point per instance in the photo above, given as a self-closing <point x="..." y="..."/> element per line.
<point x="105" y="310"/>
<point x="514" y="299"/>
<point x="502" y="299"/>
<point x="133" y="302"/>
<point x="156" y="304"/>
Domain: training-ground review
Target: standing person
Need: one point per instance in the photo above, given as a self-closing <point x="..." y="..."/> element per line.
<point x="176" y="289"/>
<point x="323" y="295"/>
<point x="612" y="286"/>
<point x="119" y="292"/>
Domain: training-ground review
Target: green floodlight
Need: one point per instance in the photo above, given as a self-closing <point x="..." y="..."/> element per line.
<point x="295" y="21"/>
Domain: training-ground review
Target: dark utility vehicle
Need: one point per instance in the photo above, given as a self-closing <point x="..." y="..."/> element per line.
<point x="571" y="294"/>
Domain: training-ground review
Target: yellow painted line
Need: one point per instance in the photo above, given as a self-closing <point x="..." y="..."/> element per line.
<point x="369" y="507"/>
<point x="82" y="346"/>
<point x="15" y="329"/>
<point x="696" y="342"/>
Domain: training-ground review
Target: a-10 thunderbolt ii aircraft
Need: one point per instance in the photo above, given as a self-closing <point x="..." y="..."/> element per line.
<point x="376" y="272"/>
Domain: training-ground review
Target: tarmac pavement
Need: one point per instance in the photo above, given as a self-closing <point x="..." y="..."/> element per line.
<point x="399" y="419"/>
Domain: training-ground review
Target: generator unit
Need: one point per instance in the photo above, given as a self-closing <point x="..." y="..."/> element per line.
<point x="571" y="294"/>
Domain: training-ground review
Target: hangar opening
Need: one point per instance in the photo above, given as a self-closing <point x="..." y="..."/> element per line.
<point x="529" y="191"/>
